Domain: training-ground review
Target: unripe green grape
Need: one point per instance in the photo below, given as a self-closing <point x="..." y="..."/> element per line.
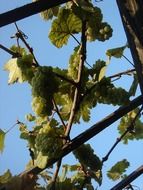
<point x="106" y="29"/>
<point x="44" y="82"/>
<point x="105" y="32"/>
<point x="101" y="31"/>
<point x="48" y="141"/>
<point x="41" y="107"/>
<point x="25" y="63"/>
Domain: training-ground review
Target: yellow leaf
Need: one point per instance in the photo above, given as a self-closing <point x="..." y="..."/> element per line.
<point x="2" y="137"/>
<point x="15" y="74"/>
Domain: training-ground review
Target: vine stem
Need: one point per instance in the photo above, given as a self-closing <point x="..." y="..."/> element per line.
<point x="20" y="35"/>
<point x="127" y="72"/>
<point x="80" y="44"/>
<point x="65" y="79"/>
<point x="129" y="129"/>
<point x="56" y="173"/>
<point x="58" y="113"/>
<point x="79" y="79"/>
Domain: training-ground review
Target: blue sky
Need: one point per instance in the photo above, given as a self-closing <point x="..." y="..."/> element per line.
<point x="15" y="99"/>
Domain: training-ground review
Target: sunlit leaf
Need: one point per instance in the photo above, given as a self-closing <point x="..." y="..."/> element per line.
<point x="41" y="161"/>
<point x="136" y="132"/>
<point x="2" y="138"/>
<point x="15" y="74"/>
<point x="118" y="169"/>
<point x="62" y="27"/>
<point x="50" y="13"/>
<point x="85" y="112"/>
<point x="116" y="52"/>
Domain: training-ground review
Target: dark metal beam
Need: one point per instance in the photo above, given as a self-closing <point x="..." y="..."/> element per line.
<point x="28" y="10"/>
<point x="131" y="12"/>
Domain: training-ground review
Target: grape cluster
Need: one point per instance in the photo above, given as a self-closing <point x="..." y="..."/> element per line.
<point x="44" y="82"/>
<point x="105" y="32"/>
<point x="25" y="64"/>
<point x="48" y="141"/>
<point x="107" y="93"/>
<point x="91" y="161"/>
<point x="44" y="85"/>
<point x="41" y="107"/>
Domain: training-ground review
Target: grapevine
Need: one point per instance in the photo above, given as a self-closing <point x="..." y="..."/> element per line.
<point x="63" y="97"/>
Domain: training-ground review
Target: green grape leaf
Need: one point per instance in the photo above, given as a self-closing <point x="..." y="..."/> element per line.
<point x="118" y="169"/>
<point x="15" y="74"/>
<point x="68" y="168"/>
<point x="65" y="102"/>
<point x="85" y="112"/>
<point x="18" y="49"/>
<point x="98" y="70"/>
<point x="61" y="185"/>
<point x="50" y="13"/>
<point x="41" y="161"/>
<point x="24" y="131"/>
<point x="29" y="117"/>
<point x="5" y="177"/>
<point x="133" y="88"/>
<point x="137" y="132"/>
<point x="2" y="138"/>
<point x="116" y="52"/>
<point x="62" y="27"/>
<point x="92" y="15"/>
<point x="74" y="63"/>
<point x="78" y="178"/>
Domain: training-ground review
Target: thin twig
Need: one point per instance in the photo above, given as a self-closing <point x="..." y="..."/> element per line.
<point x="79" y="78"/>
<point x="65" y="79"/>
<point x="21" y="36"/>
<point x="17" y="122"/>
<point x="14" y="54"/>
<point x="129" y="129"/>
<point x="58" y="112"/>
<point x="128" y="72"/>
<point x="75" y="39"/>
<point x="80" y="44"/>
<point x="128" y="60"/>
